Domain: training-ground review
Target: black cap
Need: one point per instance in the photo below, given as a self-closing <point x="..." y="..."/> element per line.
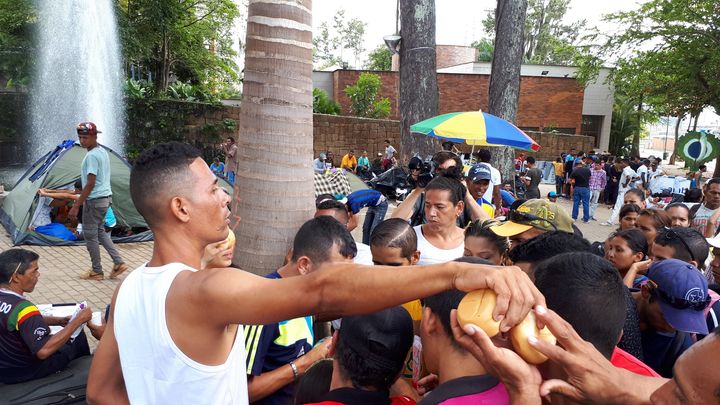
<point x="382" y="338"/>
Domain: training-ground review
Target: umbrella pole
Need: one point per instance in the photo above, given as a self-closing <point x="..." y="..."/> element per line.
<point x="472" y="152"/>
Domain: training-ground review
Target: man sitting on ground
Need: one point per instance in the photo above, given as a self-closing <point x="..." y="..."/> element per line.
<point x="279" y="353"/>
<point x="27" y="349"/>
<point x="368" y="355"/>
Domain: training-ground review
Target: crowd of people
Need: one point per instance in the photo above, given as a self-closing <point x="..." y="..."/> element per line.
<point x="375" y="322"/>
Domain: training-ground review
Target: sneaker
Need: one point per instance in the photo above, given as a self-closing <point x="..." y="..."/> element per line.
<point x="605" y="223"/>
<point x="118" y="269"/>
<point x="91" y="275"/>
<point x="593" y="219"/>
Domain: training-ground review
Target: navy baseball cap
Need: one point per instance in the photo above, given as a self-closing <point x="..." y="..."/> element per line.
<point x="479" y="172"/>
<point x="682" y="292"/>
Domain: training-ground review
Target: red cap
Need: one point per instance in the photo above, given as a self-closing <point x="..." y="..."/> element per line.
<point x="87" y="128"/>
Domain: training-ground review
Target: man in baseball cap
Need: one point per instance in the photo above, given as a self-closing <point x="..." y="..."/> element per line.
<point x="532" y="218"/>
<point x="369" y="353"/>
<point x="478" y="180"/>
<point x="87" y="128"/>
<point x="671" y="308"/>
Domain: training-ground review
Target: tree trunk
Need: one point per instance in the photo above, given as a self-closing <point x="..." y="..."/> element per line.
<point x="697" y="117"/>
<point x="418" y="76"/>
<point x="677" y="135"/>
<point x="505" y="74"/>
<point x="274" y="180"/>
<point x="716" y="172"/>
<point x="636" y="135"/>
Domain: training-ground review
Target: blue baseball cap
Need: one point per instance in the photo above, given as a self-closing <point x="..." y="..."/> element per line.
<point x="479" y="172"/>
<point x="682" y="291"/>
<point x="552" y="194"/>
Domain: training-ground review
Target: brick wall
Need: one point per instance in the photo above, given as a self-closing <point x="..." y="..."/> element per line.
<point x="338" y="134"/>
<point x="453" y="55"/>
<point x="544" y="101"/>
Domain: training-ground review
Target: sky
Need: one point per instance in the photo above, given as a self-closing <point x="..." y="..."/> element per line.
<point x="458" y="22"/>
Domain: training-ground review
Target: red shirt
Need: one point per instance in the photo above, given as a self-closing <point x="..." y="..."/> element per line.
<point x="623" y="359"/>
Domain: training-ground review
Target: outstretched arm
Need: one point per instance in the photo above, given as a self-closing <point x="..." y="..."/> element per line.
<point x="106" y="384"/>
<point x="341" y="289"/>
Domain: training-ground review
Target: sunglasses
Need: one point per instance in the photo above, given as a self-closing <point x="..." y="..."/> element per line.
<point x="669" y="234"/>
<point x="678" y="303"/>
<point x="523" y="218"/>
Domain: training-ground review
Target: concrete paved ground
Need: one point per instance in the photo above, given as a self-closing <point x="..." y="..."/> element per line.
<point x="60" y="266"/>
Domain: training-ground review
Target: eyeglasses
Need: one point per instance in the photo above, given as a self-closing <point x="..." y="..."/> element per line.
<point x="523" y="218"/>
<point x="678" y="303"/>
<point x="669" y="234"/>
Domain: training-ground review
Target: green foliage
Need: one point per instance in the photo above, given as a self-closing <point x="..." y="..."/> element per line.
<point x="17" y="21"/>
<point x="548" y="39"/>
<point x="138" y="89"/>
<point x="190" y="39"/>
<point x="485" y="49"/>
<point x="363" y="97"/>
<point x="330" y="42"/>
<point x="379" y="58"/>
<point x="322" y="103"/>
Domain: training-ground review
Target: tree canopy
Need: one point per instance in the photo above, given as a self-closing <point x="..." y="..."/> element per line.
<point x="379" y="58"/>
<point x="331" y="42"/>
<point x="17" y="19"/>
<point x="548" y="39"/>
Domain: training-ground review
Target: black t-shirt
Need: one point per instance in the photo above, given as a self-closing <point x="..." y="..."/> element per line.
<point x="23" y="331"/>
<point x="581" y="175"/>
<point x="533" y="191"/>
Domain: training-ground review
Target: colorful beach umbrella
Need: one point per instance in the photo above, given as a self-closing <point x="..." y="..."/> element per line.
<point x="476" y="128"/>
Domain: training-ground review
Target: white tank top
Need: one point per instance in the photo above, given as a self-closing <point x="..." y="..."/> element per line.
<point x="429" y="254"/>
<point x="155" y="370"/>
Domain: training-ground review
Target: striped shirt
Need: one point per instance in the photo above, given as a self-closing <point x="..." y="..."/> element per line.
<point x="23" y="331"/>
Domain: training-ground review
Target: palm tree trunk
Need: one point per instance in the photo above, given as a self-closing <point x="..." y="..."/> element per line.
<point x="505" y="74"/>
<point x="274" y="182"/>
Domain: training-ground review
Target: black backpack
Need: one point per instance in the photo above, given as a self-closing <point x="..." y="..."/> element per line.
<point x="64" y="387"/>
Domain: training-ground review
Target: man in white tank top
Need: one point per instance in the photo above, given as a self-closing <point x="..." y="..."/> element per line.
<point x="172" y="335"/>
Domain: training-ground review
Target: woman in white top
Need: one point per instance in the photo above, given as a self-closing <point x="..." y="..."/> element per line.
<point x="440" y="239"/>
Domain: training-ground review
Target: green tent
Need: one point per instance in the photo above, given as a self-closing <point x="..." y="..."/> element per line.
<point x="61" y="168"/>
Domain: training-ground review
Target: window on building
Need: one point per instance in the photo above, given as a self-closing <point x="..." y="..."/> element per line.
<point x="591" y="126"/>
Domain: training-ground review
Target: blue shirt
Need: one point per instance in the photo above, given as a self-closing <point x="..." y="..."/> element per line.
<point x="218" y="168"/>
<point x="363" y="198"/>
<point x="269" y="347"/>
<point x="363" y="161"/>
<point x="97" y="162"/>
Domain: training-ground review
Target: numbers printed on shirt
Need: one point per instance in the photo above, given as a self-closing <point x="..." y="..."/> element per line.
<point x="5" y="307"/>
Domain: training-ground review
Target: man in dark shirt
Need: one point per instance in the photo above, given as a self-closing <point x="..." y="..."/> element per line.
<point x="279" y="353"/>
<point x="671" y="308"/>
<point x="27" y="349"/>
<point x="532" y="179"/>
<point x="581" y="178"/>
<point x="369" y="353"/>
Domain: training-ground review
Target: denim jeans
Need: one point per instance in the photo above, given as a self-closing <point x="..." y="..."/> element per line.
<point x="93" y="221"/>
<point x="581" y="194"/>
<point x="373" y="217"/>
<point x="559" y="182"/>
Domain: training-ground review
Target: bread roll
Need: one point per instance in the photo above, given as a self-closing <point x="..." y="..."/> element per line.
<point x="229" y="242"/>
<point x="519" y="336"/>
<point x="477" y="308"/>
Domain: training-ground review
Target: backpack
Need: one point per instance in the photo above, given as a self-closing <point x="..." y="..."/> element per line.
<point x="64" y="387"/>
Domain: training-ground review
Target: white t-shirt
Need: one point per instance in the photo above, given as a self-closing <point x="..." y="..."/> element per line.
<point x="700" y="220"/>
<point x="495" y="180"/>
<point x="389" y="151"/>
<point x="155" y="370"/>
<point x="363" y="256"/>
<point x="429" y="254"/>
<point x="627" y="172"/>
